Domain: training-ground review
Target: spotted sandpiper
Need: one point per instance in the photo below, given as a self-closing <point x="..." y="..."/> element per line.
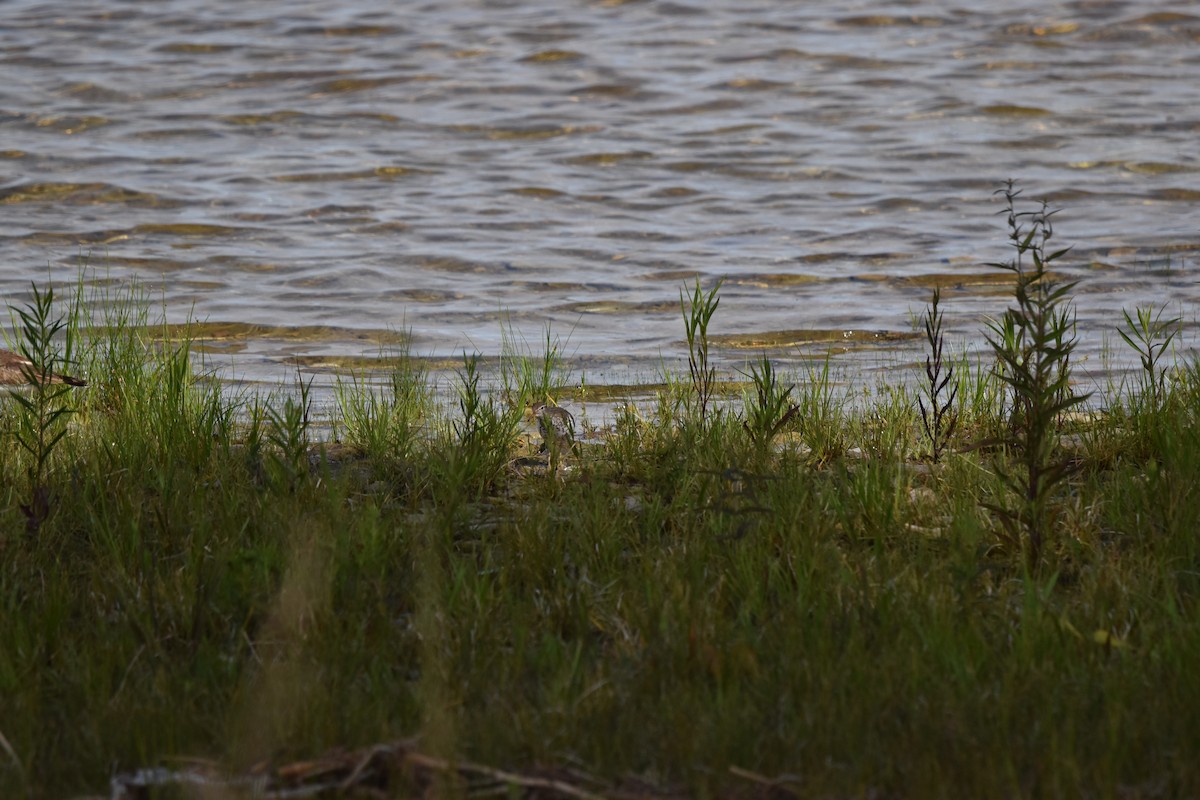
<point x="13" y="369"/>
<point x="555" y="424"/>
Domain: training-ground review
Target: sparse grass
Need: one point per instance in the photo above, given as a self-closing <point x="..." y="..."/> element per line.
<point x="681" y="611"/>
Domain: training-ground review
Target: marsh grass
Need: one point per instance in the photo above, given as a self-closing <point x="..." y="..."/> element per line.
<point x="684" y="612"/>
<point x="482" y="437"/>
<point x="822" y="413"/>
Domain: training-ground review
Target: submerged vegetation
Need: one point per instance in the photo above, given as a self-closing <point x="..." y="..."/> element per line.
<point x="975" y="590"/>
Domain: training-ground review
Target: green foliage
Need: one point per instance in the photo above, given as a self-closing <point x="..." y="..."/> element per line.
<point x="1033" y="343"/>
<point x="939" y="418"/>
<point x="530" y="377"/>
<point x="42" y="421"/>
<point x="287" y="433"/>
<point x="822" y="414"/>
<point x="887" y="426"/>
<point x="770" y="408"/>
<point x="483" y="436"/>
<point x="386" y="423"/>
<point x="981" y="397"/>
<point x="698" y="310"/>
<point x="1150" y="336"/>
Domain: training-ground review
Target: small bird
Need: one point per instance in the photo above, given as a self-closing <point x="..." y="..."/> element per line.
<point x="555" y="424"/>
<point x="13" y="369"/>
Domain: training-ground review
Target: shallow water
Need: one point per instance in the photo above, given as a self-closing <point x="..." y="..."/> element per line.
<point x="348" y="169"/>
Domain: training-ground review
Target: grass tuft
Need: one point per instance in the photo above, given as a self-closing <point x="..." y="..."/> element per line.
<point x="770" y="408"/>
<point x="1150" y="336"/>
<point x="698" y="310"/>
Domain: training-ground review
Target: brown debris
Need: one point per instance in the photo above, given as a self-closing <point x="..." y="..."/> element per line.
<point x="393" y="769"/>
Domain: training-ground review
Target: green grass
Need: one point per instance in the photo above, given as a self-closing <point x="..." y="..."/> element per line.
<point x="698" y="604"/>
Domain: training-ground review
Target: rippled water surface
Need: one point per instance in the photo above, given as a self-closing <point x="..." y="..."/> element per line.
<point x="324" y="172"/>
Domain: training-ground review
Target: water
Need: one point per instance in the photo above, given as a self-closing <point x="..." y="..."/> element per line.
<point x="316" y="174"/>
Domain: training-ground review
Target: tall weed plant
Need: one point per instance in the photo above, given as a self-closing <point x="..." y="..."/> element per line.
<point x="698" y="310"/>
<point x="938" y="415"/>
<point x="1033" y="343"/>
<point x="45" y="410"/>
